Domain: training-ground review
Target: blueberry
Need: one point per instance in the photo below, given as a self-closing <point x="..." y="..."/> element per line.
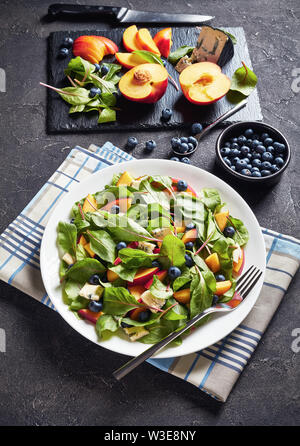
<point x="68" y="42"/>
<point x="121" y="245"/>
<point x="266" y="165"/>
<point x="227" y="161"/>
<point x="255" y="143"/>
<point x="94" y="279"/>
<point x="265" y="173"/>
<point x="63" y="52"/>
<point x="188" y="260"/>
<point x="279" y="148"/>
<point x="270" y="149"/>
<point x="183" y="147"/>
<point x="256" y="155"/>
<point x="279" y="161"/>
<point x="175" y="142"/>
<point x="150" y="145"/>
<point x="94" y="91"/>
<point x="246" y="172"/>
<point x="241" y="164"/>
<point x="220" y="278"/>
<point x="184" y="140"/>
<point x="155" y="264"/>
<point x="95" y="306"/>
<point x="256" y="163"/>
<point x="189" y="246"/>
<point x="190" y="147"/>
<point x="234" y="145"/>
<point x="97" y="67"/>
<point x="256" y="173"/>
<point x="245" y="150"/>
<point x="229" y="231"/>
<point x="174" y="158"/>
<point x="124" y="325"/>
<point x="144" y="316"/>
<point x="248" y="142"/>
<point x="249" y="156"/>
<point x="227" y="144"/>
<point x="233" y="140"/>
<point x="249" y="166"/>
<point x="182" y="185"/>
<point x="104" y="70"/>
<point x="274" y="168"/>
<point x="246" y="159"/>
<point x="260" y="149"/>
<point x="215" y="300"/>
<point x="248" y="133"/>
<point x="72" y="221"/>
<point x="265" y="136"/>
<point x="196" y="128"/>
<point x="132" y="142"/>
<point x="166" y="114"/>
<point x="115" y="209"/>
<point x="267" y="156"/>
<point x="233" y="168"/>
<point x="189" y="226"/>
<point x="174" y="272"/>
<point x="225" y="151"/>
<point x="268" y="142"/>
<point x="256" y="136"/>
<point x="193" y="141"/>
<point x="185" y="160"/>
<point x="235" y="160"/>
<point x="255" y="169"/>
<point x="235" y="152"/>
<point x="241" y="140"/>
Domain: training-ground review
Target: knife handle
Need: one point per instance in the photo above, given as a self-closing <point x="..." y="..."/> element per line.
<point x="61" y="10"/>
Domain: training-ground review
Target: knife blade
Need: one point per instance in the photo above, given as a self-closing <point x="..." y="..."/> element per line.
<point x="120" y="15"/>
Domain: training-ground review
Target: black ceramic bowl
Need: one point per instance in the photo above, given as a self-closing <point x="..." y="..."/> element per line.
<point x="238" y="129"/>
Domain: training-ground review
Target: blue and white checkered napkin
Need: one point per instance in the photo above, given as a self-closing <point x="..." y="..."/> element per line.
<point x="213" y="370"/>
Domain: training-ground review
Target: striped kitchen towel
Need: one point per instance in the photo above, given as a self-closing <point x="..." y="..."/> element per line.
<point x="215" y="369"/>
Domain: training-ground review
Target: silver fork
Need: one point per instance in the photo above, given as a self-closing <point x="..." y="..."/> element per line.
<point x="245" y="284"/>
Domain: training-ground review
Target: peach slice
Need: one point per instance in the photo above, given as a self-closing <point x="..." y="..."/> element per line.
<point x="161" y="275"/>
<point x="111" y="276"/>
<point x="146" y="42"/>
<point x="123" y="203"/>
<point x="221" y="219"/>
<point x="130" y="41"/>
<point x="90" y="204"/>
<point x="190" y="236"/>
<point x="111" y="47"/>
<point x="88" y="248"/>
<point x="204" y="83"/>
<point x="183" y="296"/>
<point x="143" y="275"/>
<point x="125" y="179"/>
<point x="89" y="48"/>
<point x="222" y="287"/>
<point x="136" y="291"/>
<point x="129" y="60"/>
<point x="213" y="262"/>
<point x="238" y="266"/>
<point x="89" y="315"/>
<point x="145" y="83"/>
<point x="163" y="40"/>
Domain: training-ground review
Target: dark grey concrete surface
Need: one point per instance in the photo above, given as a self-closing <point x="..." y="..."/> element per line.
<point x="49" y="374"/>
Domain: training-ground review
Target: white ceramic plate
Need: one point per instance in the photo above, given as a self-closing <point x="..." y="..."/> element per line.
<point x="208" y="334"/>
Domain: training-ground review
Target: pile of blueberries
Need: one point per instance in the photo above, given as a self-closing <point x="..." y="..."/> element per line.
<point x="254" y="155"/>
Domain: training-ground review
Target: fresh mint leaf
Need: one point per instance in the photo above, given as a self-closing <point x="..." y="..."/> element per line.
<point x="182" y="51"/>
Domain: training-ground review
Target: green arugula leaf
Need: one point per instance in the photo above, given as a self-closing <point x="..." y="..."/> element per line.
<point x="182" y="51"/>
<point x="118" y="301"/>
<point x="66" y="237"/>
<point x="160" y="290"/>
<point x="174" y="249"/>
<point x="103" y="245"/>
<point x="82" y="270"/>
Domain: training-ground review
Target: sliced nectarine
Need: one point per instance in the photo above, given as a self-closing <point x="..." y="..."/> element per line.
<point x="123" y="203"/>
<point x="130" y="39"/>
<point x="89" y="48"/>
<point x="136" y="290"/>
<point x="223" y="287"/>
<point x="238" y="266"/>
<point x="112" y="276"/>
<point x="129" y="60"/>
<point x="146" y="42"/>
<point x="190" y="236"/>
<point x="212" y="261"/>
<point x="145" y="83"/>
<point x="221" y="219"/>
<point x="111" y="47"/>
<point x="82" y="241"/>
<point x="143" y="275"/>
<point x="161" y="275"/>
<point x="88" y="248"/>
<point x="204" y="83"/>
<point x="163" y="40"/>
<point x="125" y="179"/>
<point x="183" y="296"/>
<point x="90" y="315"/>
<point x="90" y="204"/>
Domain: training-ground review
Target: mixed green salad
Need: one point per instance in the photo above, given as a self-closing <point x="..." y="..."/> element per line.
<point x="144" y="255"/>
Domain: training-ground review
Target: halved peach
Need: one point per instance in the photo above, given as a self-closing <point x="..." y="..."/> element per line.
<point x="223" y="287"/>
<point x="183" y="296"/>
<point x="146" y="42"/>
<point x="129" y="60"/>
<point x="190" y="236"/>
<point x="212" y="261"/>
<point x="221" y="219"/>
<point x="130" y="39"/>
<point x="204" y="83"/>
<point x="145" y="83"/>
<point x="163" y="40"/>
<point x="90" y="204"/>
<point x="123" y="203"/>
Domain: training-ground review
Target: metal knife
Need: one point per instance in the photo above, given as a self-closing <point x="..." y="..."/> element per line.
<point x="120" y="15"/>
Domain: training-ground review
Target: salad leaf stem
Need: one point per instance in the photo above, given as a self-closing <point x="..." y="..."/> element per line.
<point x="81" y="211"/>
<point x="204" y="244"/>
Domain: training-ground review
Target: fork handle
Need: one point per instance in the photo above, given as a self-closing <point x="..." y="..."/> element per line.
<point x="135" y="362"/>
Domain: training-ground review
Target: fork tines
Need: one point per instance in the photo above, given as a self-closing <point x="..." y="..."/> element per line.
<point x="247" y="281"/>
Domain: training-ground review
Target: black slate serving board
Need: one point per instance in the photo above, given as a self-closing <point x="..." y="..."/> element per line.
<point x="136" y="116"/>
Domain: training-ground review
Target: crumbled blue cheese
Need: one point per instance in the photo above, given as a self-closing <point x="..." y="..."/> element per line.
<point x="92" y="292"/>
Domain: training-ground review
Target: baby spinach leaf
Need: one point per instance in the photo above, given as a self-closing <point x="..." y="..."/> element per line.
<point x="174" y="249"/>
<point x="136" y="258"/>
<point x="226" y="297"/>
<point x="160" y="290"/>
<point x="76" y="108"/>
<point x="241" y="235"/>
<point x="149" y="194"/>
<point x="112" y="193"/>
<point x="79" y="66"/>
<point x="72" y="288"/>
<point x="201" y="296"/>
<point x="82" y="270"/>
<point x="182" y="51"/>
<point x="106" y="323"/>
<point x="191" y="209"/>
<point x="66" y="237"/>
<point x="103" y="245"/>
<point x="211" y="198"/>
<point x="159" y="331"/>
<point x="153" y="318"/>
<point x="124" y="272"/>
<point x="107" y="115"/>
<point x="75" y="95"/>
<point x="113" y="69"/>
<point x="243" y="80"/>
<point x="177" y="312"/>
<point x="78" y="303"/>
<point x="149" y="57"/>
<point x="81" y="253"/>
<point x="182" y="280"/>
<point x="118" y="301"/>
<point x="108" y="100"/>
